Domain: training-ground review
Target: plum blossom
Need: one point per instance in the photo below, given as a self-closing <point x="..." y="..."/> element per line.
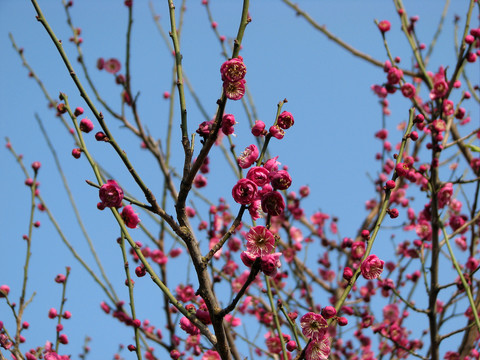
<point x="285" y="120"/>
<point x="244" y="191"/>
<point x="280" y="180"/>
<point x="234" y="90"/>
<point x="372" y="267"/>
<point x="111" y="194"/>
<point x="318" y="350"/>
<point x="112" y="66"/>
<point x="86" y="125"/>
<point x="270" y="264"/>
<point x="233" y="70"/>
<point x="384" y="26"/>
<point x="260" y="241"/>
<point x="248" y="156"/>
<point x="273" y="203"/>
<point x="188" y="327"/>
<point x="259" y="175"/>
<point x="259" y="128"/>
<point x="130" y="217"/>
<point x="314" y="326"/>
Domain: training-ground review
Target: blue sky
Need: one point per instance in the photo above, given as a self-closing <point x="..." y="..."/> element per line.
<point x="331" y="147"/>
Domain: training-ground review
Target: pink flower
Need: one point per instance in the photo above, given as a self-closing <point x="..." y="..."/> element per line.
<point x="380" y="91"/>
<point x="329" y="312"/>
<point x="233" y="70"/>
<point x="247" y="258"/>
<point x="60" y="278"/>
<point x="244" y="191"/>
<point x="445" y="194"/>
<point x="408" y="90"/>
<point x="318" y="350"/>
<point x="358" y="249"/>
<point x="248" y="156"/>
<point x="384" y="26"/>
<point x="105" y="307"/>
<point x="457" y="221"/>
<point x="448" y="107"/>
<point x="111" y="194"/>
<point x="440" y="86"/>
<point x="52" y="313"/>
<point x="259" y="175"/>
<point x="4" y="291"/>
<point x="36" y="165"/>
<point x="314" y="326"/>
<point x="394" y="75"/>
<point x="281" y="180"/>
<point x="129" y="217"/>
<point x="112" y="66"/>
<point x="270" y="263"/>
<point x="233" y="321"/>
<point x="347" y="273"/>
<point x="372" y="267"/>
<point x="204" y="128"/>
<point x="100" y="63"/>
<point x="211" y="355"/>
<point x="277" y="132"/>
<point x="200" y="181"/>
<point x="285" y="120"/>
<point x="272" y="164"/>
<point x="234" y="90"/>
<point x="272" y="203"/>
<point x="188" y="327"/>
<point x="63" y="339"/>
<point x="86" y="125"/>
<point x="424" y="229"/>
<point x="76" y="153"/>
<point x="254" y="209"/>
<point x="260" y="241"/>
<point x="259" y="128"/>
<point x="228" y="121"/>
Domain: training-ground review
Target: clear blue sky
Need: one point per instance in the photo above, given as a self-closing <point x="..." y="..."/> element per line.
<point x="331" y="148"/>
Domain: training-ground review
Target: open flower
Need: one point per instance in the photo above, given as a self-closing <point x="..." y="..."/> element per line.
<point x="112" y="66"/>
<point x="318" y="350"/>
<point x="233" y="70"/>
<point x="260" y="241"/>
<point x="234" y="90"/>
<point x="314" y="326"/>
<point x="111" y="194"/>
<point x="285" y="120"/>
<point x="372" y="267"/>
<point x="248" y="156"/>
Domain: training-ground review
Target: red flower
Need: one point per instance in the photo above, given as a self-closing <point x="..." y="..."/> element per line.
<point x="233" y="70"/>
<point x="384" y="26"/>
<point x="248" y="156"/>
<point x="130" y="217"/>
<point x="285" y="120"/>
<point x="408" y="90"/>
<point x="272" y="203"/>
<point x="372" y="267"/>
<point x="281" y="180"/>
<point x="244" y="191"/>
<point x="111" y="194"/>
